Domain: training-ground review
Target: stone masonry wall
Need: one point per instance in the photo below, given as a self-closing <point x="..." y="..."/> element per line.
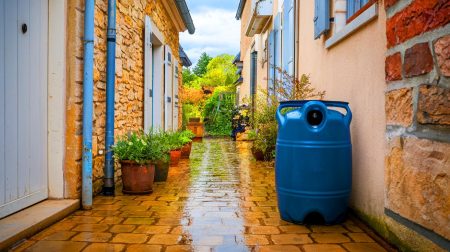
<point x="417" y="176"/>
<point x="129" y="96"/>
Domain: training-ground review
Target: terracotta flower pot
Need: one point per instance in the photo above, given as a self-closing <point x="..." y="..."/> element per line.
<point x="175" y="156"/>
<point x="186" y="150"/>
<point x="161" y="170"/>
<point x="136" y="178"/>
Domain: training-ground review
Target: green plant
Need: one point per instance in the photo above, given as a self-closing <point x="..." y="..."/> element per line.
<point x="174" y="140"/>
<point x="218" y="112"/>
<point x="138" y="147"/>
<point x="186" y="136"/>
<point x="263" y="121"/>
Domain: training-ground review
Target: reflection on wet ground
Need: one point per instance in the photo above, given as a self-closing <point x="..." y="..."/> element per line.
<point x="218" y="200"/>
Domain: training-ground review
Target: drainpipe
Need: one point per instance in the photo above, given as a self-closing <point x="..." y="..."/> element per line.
<point x="108" y="186"/>
<point x="88" y="93"/>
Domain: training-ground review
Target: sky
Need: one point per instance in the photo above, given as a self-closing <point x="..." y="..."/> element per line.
<point x="216" y="29"/>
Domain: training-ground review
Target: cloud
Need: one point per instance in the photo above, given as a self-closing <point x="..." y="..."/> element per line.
<point x="216" y="32"/>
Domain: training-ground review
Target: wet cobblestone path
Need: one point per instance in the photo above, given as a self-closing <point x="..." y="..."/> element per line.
<point x="218" y="200"/>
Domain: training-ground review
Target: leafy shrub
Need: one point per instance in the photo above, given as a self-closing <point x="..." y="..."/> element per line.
<point x="218" y="112"/>
<point x="140" y="148"/>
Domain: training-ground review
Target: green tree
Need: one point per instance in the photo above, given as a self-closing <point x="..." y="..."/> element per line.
<point x="220" y="71"/>
<point x="188" y="76"/>
<point x="201" y="67"/>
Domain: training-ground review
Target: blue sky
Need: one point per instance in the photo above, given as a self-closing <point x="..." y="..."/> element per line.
<point x="216" y="29"/>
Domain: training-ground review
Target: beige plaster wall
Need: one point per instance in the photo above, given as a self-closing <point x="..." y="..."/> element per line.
<point x="257" y="42"/>
<point x="353" y="71"/>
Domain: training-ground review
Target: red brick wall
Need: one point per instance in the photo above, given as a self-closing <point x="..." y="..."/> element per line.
<point x="418" y="112"/>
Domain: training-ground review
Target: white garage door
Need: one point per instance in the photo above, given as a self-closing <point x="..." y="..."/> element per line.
<point x="23" y="103"/>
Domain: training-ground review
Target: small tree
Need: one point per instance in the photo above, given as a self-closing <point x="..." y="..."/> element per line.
<point x="202" y="64"/>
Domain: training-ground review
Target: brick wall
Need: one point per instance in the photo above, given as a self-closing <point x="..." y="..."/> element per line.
<point x="417" y="68"/>
<point x="129" y="84"/>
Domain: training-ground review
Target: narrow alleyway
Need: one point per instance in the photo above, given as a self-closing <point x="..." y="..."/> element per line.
<point x="218" y="200"/>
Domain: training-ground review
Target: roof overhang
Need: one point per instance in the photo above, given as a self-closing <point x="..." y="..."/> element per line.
<point x="184" y="58"/>
<point x="240" y="9"/>
<point x="181" y="17"/>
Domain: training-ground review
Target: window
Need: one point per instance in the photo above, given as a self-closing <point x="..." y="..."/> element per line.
<point x="355" y="7"/>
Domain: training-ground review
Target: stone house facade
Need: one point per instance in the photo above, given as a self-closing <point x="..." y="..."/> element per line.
<point x="129" y="108"/>
<point x="57" y="75"/>
<point x="389" y="59"/>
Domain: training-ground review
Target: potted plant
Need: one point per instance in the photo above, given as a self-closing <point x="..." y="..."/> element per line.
<point x="161" y="162"/>
<point x="135" y="154"/>
<point x="186" y="138"/>
<point x="175" y="145"/>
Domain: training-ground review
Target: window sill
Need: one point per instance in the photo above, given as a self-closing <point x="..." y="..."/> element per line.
<point x="364" y="18"/>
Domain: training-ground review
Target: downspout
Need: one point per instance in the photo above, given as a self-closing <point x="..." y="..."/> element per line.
<point x="108" y="186"/>
<point x="88" y="91"/>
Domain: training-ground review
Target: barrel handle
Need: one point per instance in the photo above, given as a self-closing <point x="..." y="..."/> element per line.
<point x="344" y="105"/>
<point x="287" y="104"/>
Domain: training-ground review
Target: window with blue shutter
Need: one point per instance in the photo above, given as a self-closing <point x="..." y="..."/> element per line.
<point x="321" y="17"/>
<point x="288" y="36"/>
<point x="271" y="68"/>
<point x="278" y="48"/>
<point x="355" y="5"/>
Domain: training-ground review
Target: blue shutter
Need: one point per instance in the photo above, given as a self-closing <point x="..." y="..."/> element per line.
<point x="278" y="48"/>
<point x="288" y="36"/>
<point x="321" y="17"/>
<point x="271" y="74"/>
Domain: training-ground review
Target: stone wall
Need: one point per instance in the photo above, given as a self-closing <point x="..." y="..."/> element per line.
<point x="417" y="176"/>
<point x="129" y="83"/>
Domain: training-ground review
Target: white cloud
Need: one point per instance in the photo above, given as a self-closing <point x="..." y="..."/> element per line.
<point x="216" y="32"/>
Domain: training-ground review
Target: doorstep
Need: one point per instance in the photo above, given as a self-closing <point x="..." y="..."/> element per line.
<point x="33" y="219"/>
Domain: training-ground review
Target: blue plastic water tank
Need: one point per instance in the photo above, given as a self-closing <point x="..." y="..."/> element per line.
<point x="313" y="165"/>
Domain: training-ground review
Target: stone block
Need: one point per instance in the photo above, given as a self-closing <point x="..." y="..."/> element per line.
<point x="442" y="51"/>
<point x="418" y="182"/>
<point x="399" y="109"/>
<point x="419" y="17"/>
<point x="393" y="67"/>
<point x="418" y="60"/>
<point x="433" y="105"/>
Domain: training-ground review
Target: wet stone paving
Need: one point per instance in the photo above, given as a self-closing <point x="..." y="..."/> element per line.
<point x="218" y="200"/>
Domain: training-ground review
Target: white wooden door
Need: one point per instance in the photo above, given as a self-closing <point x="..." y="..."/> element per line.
<point x="148" y="76"/>
<point x="175" y="95"/>
<point x="168" y="87"/>
<point x="23" y="99"/>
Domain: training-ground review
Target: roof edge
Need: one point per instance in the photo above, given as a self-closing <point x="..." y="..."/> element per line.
<point x="185" y="15"/>
<point x="240" y="9"/>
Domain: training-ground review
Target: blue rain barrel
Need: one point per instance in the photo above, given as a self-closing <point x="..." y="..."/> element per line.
<point x="313" y="165"/>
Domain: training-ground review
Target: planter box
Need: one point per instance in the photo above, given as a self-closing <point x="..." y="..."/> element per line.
<point x="196" y="128"/>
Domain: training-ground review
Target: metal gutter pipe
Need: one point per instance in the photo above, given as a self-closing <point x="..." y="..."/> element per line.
<point x="88" y="93"/>
<point x="185" y="15"/>
<point x="108" y="185"/>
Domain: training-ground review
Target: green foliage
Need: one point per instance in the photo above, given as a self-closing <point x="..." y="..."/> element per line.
<point x="220" y="71"/>
<point x="201" y="67"/>
<point x="188" y="75"/>
<point x="218" y="109"/>
<point x="140" y="148"/>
